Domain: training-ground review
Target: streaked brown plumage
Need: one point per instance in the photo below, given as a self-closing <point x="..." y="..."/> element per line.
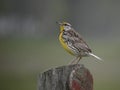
<point x="73" y="42"/>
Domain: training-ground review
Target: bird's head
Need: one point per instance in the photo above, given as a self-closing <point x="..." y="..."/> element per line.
<point x="64" y="26"/>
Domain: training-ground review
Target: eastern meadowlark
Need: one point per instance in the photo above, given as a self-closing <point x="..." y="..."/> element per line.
<point x="73" y="43"/>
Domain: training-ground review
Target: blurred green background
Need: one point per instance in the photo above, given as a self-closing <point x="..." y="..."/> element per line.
<point x="29" y="40"/>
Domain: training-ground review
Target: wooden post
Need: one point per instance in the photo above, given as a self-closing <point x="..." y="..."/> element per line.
<point x="72" y="77"/>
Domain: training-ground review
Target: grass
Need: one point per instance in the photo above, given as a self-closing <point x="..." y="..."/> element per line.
<point x="21" y="61"/>
<point x="18" y="82"/>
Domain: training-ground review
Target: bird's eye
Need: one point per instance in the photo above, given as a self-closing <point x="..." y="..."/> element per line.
<point x="65" y="24"/>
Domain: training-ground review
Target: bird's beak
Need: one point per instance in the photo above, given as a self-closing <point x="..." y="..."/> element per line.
<point x="59" y="23"/>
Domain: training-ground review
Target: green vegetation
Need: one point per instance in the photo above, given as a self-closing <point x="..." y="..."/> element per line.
<point x="21" y="61"/>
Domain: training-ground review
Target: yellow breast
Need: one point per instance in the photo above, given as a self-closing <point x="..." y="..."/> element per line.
<point x="64" y="45"/>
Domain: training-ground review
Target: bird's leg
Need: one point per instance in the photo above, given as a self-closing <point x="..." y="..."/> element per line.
<point x="76" y="58"/>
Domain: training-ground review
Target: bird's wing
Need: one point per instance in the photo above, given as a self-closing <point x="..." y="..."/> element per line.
<point x="76" y="40"/>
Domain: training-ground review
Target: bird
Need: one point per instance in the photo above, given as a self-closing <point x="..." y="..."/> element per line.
<point x="73" y="43"/>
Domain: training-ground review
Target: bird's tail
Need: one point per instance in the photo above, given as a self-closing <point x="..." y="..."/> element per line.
<point x="91" y="54"/>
